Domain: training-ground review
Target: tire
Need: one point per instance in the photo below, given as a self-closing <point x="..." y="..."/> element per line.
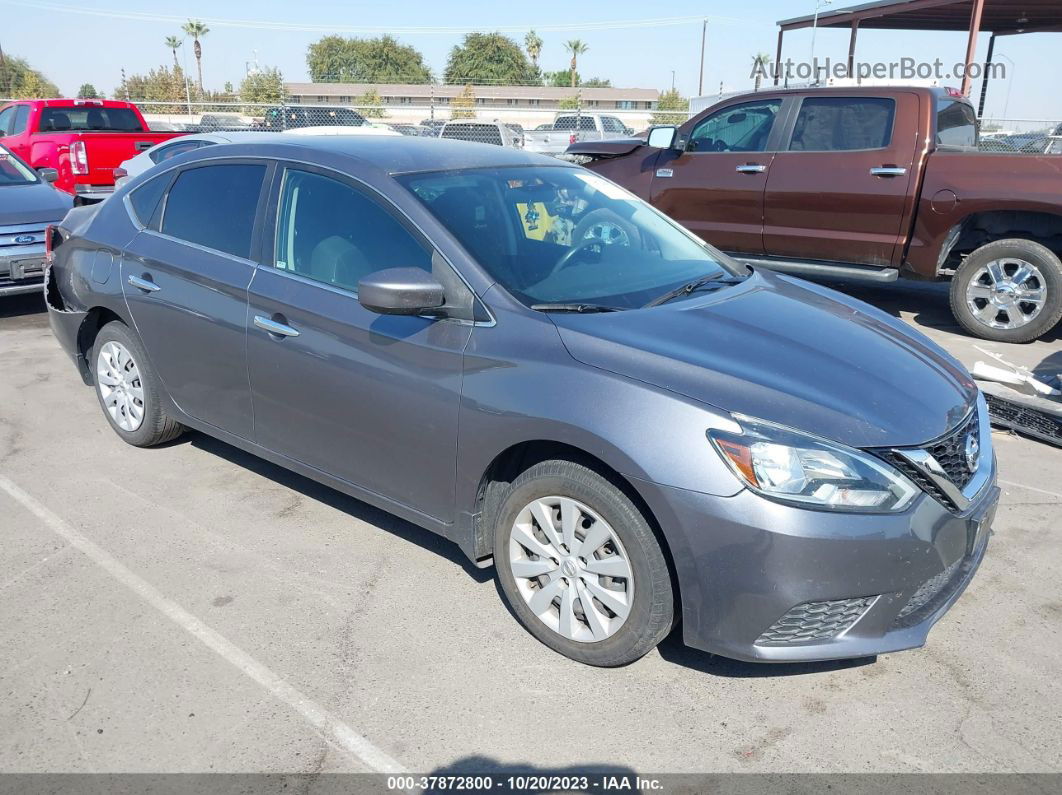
<point x="599" y="638"/>
<point x="142" y="390"/>
<point x="975" y="291"/>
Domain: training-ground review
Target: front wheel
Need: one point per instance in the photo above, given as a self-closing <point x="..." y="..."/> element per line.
<point x="1008" y="291"/>
<point x="581" y="567"/>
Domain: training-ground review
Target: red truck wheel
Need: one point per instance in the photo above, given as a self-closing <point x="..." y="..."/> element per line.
<point x="1008" y="291"/>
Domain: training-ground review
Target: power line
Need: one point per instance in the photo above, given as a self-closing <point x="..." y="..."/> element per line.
<point x="173" y="19"/>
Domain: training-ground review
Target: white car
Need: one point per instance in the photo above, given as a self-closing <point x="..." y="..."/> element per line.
<point x="186" y="143"/>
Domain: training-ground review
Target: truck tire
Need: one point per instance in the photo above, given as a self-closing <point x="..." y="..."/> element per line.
<point x="593" y="583"/>
<point x="1008" y="291"/>
<point x="128" y="389"/>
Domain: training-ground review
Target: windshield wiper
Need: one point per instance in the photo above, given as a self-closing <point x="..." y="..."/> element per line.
<point x="716" y="280"/>
<point x="582" y="309"/>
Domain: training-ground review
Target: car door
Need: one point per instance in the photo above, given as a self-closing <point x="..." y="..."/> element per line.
<point x="370" y="399"/>
<point x="714" y="185"/>
<point x="841" y="189"/>
<point x="185" y="277"/>
<point x="18" y="138"/>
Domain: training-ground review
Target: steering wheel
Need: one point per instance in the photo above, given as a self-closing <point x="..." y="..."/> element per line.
<point x="569" y="255"/>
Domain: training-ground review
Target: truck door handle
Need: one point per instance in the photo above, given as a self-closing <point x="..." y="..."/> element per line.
<point x="144" y="284"/>
<point x="888" y="171"/>
<point x="273" y="327"/>
<point x="751" y="168"/>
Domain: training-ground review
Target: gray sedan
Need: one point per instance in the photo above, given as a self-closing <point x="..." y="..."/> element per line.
<point x="28" y="204"/>
<point x="524" y="358"/>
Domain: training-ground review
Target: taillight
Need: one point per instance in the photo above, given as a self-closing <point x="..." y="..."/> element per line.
<point x="78" y="158"/>
<point x="120" y="173"/>
<point x="49" y="231"/>
<point x="571" y="138"/>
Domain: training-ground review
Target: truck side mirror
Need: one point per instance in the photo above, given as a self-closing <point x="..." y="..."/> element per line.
<point x="662" y="137"/>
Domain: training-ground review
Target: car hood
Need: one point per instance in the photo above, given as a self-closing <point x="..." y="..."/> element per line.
<point x="789" y="352"/>
<point x="31" y="204"/>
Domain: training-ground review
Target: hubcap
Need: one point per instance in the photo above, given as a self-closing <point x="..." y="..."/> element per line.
<point x="1007" y="294"/>
<point x="118" y="380"/>
<point x="571" y="569"/>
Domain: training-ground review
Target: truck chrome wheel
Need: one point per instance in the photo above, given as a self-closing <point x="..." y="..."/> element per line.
<point x="121" y="390"/>
<point x="1006" y="294"/>
<point x="571" y="569"/>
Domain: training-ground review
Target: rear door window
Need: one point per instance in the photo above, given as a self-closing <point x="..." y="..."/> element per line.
<point x="838" y="124"/>
<point x="214" y="206"/>
<point x="174" y="149"/>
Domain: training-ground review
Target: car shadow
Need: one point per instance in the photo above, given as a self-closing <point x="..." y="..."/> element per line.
<point x="22" y="304"/>
<point x="341" y="502"/>
<point x="532" y="779"/>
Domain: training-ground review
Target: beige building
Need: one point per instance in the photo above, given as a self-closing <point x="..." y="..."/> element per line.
<point x="527" y="105"/>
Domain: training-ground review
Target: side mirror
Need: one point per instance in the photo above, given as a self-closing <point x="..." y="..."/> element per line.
<point x="48" y="174"/>
<point x="662" y="137"/>
<point x="401" y="291"/>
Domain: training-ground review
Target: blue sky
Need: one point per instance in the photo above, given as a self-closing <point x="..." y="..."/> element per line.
<point x="86" y="48"/>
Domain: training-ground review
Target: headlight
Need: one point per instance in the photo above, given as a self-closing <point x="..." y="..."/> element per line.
<point x="789" y="466"/>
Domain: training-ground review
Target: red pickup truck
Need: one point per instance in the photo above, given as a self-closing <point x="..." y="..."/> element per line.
<point x="872" y="183"/>
<point x="83" y="139"/>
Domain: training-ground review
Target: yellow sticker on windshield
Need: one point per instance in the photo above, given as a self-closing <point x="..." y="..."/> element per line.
<point x="536" y="220"/>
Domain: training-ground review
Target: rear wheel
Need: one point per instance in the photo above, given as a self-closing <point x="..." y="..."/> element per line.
<point x="1008" y="291"/>
<point x="580" y="566"/>
<point x="128" y="388"/>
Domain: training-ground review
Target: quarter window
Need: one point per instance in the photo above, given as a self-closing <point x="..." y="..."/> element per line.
<point x="6" y="115"/>
<point x="145" y="199"/>
<point x="21" y="120"/>
<point x="835" y="124"/>
<point x="956" y="124"/>
<point x="739" y="128"/>
<point x="333" y="233"/>
<point x="214" y="206"/>
<point x="179" y="148"/>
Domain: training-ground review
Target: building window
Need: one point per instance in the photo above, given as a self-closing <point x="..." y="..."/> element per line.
<point x="512" y="101"/>
<point x="624" y="104"/>
<point x="534" y="102"/>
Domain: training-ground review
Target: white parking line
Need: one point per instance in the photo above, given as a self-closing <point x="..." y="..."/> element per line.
<point x="331" y="728"/>
<point x="1031" y="488"/>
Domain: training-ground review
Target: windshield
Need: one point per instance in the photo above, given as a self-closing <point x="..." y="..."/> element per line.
<point x="14" y="171"/>
<point x="554" y="235"/>
<point x="91" y="119"/>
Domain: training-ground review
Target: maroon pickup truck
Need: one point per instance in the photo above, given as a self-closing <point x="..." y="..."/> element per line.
<point x="872" y="183"/>
<point x="84" y="140"/>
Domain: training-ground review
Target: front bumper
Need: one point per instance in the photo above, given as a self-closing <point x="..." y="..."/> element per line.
<point x="21" y="267"/>
<point x="765" y="582"/>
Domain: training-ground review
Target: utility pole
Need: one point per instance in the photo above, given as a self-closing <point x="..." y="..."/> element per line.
<point x="672" y="79"/>
<point x="700" y="77"/>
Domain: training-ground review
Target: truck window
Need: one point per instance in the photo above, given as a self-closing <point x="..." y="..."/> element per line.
<point x="738" y="128"/>
<point x="480" y="133"/>
<point x="835" y="124"/>
<point x="93" y="119"/>
<point x="612" y="124"/>
<point x="6" y="117"/>
<point x="586" y="123"/>
<point x="21" y="120"/>
<point x="956" y="124"/>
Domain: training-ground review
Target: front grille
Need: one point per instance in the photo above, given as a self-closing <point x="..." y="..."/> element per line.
<point x="929" y="590"/>
<point x="815" y="621"/>
<point x="1025" y="419"/>
<point x="919" y="478"/>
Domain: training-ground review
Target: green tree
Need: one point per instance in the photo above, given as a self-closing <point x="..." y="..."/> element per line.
<point x="760" y="61"/>
<point x="262" y="88"/>
<point x="533" y="45"/>
<point x="195" y="29"/>
<point x="576" y="47"/>
<point x="335" y="59"/>
<point x="161" y="85"/>
<point x="18" y="80"/>
<point x="370" y="105"/>
<point x="173" y="42"/>
<point x="671" y="101"/>
<point x="87" y="91"/>
<point x="569" y="103"/>
<point x="563" y="79"/>
<point x="595" y="82"/>
<point x="489" y="59"/>
<point x="464" y="104"/>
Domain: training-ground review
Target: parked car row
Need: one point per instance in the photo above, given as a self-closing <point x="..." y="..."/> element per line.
<point x="477" y="338"/>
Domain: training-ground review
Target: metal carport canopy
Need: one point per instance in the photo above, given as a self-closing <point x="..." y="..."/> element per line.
<point x="999" y="17"/>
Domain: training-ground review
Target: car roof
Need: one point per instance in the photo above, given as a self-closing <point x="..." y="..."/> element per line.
<point x="400" y="154"/>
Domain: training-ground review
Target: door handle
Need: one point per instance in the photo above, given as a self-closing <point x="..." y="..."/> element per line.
<point x="273" y="327"/>
<point x="144" y="284"/>
<point x="888" y="171"/>
<point x="751" y="168"/>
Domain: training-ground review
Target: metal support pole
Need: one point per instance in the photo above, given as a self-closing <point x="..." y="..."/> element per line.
<point x="778" y="59"/>
<point x="984" y="81"/>
<point x="700" y="78"/>
<point x="852" y="48"/>
<point x="971" y="44"/>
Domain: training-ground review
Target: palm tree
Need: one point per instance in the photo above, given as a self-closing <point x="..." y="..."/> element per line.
<point x="195" y="29"/>
<point x="759" y="64"/>
<point x="173" y="42"/>
<point x="576" y="47"/>
<point x="533" y="45"/>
